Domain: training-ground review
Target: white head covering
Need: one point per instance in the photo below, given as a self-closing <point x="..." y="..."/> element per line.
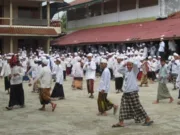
<point x="90" y="55"/>
<point x="45" y="61"/>
<point x="104" y="61"/>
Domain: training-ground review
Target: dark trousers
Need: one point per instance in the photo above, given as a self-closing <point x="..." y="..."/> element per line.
<point x="64" y="73"/>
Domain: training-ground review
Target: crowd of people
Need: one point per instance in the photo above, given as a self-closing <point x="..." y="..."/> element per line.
<point x="41" y="69"/>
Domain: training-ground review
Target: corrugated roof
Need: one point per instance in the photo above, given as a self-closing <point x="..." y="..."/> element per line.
<point x="152" y="30"/>
<point x="27" y="31"/>
<point x="76" y="2"/>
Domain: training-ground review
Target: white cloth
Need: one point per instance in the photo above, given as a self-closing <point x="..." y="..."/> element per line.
<point x="90" y="68"/>
<point x="130" y="80"/>
<point x="116" y="67"/>
<point x="63" y="64"/>
<point x="105" y="81"/>
<point x="19" y="78"/>
<point x="77" y="70"/>
<point x="6" y="70"/>
<point x="161" y="46"/>
<point x="45" y="77"/>
<point x="172" y="45"/>
<point x="59" y="74"/>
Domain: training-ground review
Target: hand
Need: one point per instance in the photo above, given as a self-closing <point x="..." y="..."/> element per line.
<point x="29" y="84"/>
<point x="16" y="75"/>
<point x="102" y="91"/>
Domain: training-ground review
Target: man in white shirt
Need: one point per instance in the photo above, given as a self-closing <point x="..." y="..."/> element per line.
<point x="161" y="48"/>
<point x="58" y="91"/>
<point x="5" y="72"/>
<point x="172" y="46"/>
<point x="131" y="107"/>
<point x="104" y="87"/>
<point x="90" y="68"/>
<point x="16" y="81"/>
<point x="118" y="76"/>
<point x="45" y="78"/>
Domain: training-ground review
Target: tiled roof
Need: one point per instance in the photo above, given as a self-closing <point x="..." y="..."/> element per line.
<point x="27" y="31"/>
<point x="145" y="31"/>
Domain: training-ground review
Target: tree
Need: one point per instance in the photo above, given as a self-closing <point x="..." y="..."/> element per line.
<point x="64" y="22"/>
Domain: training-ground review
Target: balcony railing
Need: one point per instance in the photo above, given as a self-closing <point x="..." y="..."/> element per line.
<point x="30" y="22"/>
<point x="4" y="21"/>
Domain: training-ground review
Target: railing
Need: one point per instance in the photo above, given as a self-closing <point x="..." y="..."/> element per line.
<point x="30" y="22"/>
<point x="4" y="21"/>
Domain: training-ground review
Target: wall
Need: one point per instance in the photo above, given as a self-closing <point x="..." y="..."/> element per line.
<point x="153" y="11"/>
<point x="171" y="6"/>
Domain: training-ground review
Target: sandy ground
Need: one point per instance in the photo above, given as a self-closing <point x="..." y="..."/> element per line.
<point x="77" y="115"/>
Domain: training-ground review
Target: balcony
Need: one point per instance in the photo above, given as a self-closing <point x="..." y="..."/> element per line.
<point x="30" y="22"/>
<point x="4" y="21"/>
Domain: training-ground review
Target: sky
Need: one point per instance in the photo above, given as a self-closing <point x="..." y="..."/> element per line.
<point x="59" y="15"/>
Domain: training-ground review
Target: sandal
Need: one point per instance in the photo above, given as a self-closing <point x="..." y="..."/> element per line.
<point x="41" y="109"/>
<point x="148" y="123"/>
<point x="117" y="125"/>
<point x="54" y="107"/>
<point x="9" y="108"/>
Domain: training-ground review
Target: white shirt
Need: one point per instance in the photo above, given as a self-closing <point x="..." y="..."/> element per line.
<point x="116" y="67"/>
<point x="1" y="63"/>
<point x="77" y="70"/>
<point x="130" y="80"/>
<point x="90" y="68"/>
<point x="59" y="74"/>
<point x="19" y="78"/>
<point x="172" y="45"/>
<point x="44" y="77"/>
<point x="161" y="46"/>
<point x="105" y="81"/>
<point x="6" y="70"/>
<point x="63" y="64"/>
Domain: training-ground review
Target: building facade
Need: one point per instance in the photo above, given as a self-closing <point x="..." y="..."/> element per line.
<point x="23" y="24"/>
<point x="82" y="14"/>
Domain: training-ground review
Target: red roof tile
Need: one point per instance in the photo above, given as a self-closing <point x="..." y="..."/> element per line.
<point x="139" y="31"/>
<point x="28" y="31"/>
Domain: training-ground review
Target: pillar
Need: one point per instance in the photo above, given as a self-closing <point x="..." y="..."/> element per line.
<point x="48" y="45"/>
<point x="48" y="13"/>
<point x="137" y="8"/>
<point x="41" y="11"/>
<point x="11" y="44"/>
<point x="102" y="7"/>
<point x="11" y="13"/>
<point x="118" y="5"/>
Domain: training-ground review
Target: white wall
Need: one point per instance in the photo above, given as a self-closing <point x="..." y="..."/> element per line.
<point x="115" y="17"/>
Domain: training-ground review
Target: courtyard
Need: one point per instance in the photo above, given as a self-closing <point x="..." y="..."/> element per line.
<point x="76" y="115"/>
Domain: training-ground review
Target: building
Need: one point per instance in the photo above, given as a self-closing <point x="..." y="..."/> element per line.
<point x="100" y="21"/>
<point x="26" y="23"/>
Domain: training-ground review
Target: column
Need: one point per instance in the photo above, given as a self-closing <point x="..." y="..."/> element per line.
<point x="11" y="44"/>
<point x="41" y="11"/>
<point x="102" y="7"/>
<point x="48" y="45"/>
<point x="137" y="8"/>
<point x="48" y="13"/>
<point x="11" y="13"/>
<point x="118" y="5"/>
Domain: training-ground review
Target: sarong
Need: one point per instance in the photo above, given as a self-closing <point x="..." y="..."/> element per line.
<point x="131" y="108"/>
<point x="78" y="82"/>
<point x="118" y="83"/>
<point x="103" y="103"/>
<point x="163" y="92"/>
<point x="16" y="95"/>
<point x="139" y="76"/>
<point x="58" y="91"/>
<point x="90" y="86"/>
<point x="144" y="79"/>
<point x="68" y="70"/>
<point x="44" y="95"/>
<point x="6" y="83"/>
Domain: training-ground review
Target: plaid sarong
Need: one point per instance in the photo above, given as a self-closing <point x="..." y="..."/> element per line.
<point x="90" y="86"/>
<point x="131" y="108"/>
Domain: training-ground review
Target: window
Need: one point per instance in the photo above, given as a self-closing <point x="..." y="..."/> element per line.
<point x="127" y="5"/>
<point x="147" y="3"/>
<point x="71" y="15"/>
<point x="26" y="12"/>
<point x="110" y="6"/>
<point x="95" y="10"/>
<point x="81" y="13"/>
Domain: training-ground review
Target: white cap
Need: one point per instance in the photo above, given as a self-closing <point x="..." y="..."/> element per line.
<point x="103" y="61"/>
<point x="90" y="55"/>
<point x="149" y="57"/>
<point x="175" y="54"/>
